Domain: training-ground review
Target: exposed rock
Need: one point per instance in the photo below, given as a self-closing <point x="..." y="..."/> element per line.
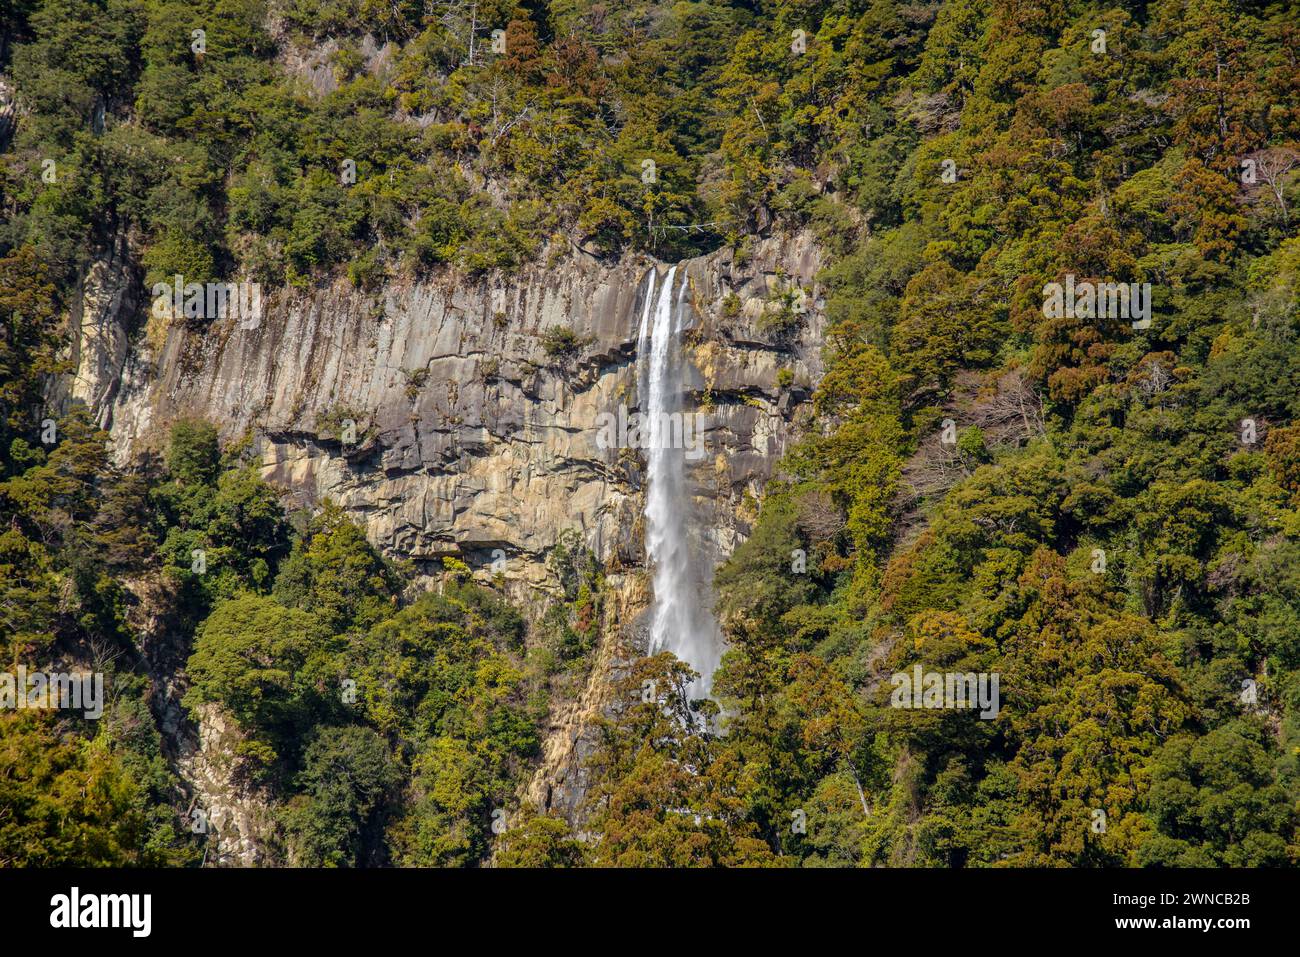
<point x="560" y="782"/>
<point x="315" y="65"/>
<point x="104" y="315"/>
<point x="469" y="437"/>
<point x="8" y="112"/>
<point x="238" y="820"/>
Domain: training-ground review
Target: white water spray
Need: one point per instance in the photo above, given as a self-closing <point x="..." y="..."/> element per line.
<point x="680" y="620"/>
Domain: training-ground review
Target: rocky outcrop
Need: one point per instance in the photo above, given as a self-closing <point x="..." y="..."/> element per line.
<point x="235" y="816"/>
<point x="8" y="112"/>
<point x="460" y="416"/>
<point x="105" y="315"/>
<point x="469" y="436"/>
<point x="560" y="782"/>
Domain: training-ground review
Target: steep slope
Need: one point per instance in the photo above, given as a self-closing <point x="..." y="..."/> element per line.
<point x="471" y="441"/>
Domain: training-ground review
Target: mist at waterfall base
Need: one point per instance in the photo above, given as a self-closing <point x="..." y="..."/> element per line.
<point x="681" y="621"/>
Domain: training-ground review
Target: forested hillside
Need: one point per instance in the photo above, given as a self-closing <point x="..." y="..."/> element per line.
<point x="1101" y="509"/>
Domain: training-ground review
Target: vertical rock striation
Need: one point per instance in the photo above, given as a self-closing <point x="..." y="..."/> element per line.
<point x="475" y="408"/>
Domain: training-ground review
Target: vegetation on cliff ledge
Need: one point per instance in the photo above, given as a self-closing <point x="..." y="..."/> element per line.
<point x="1103" y="512"/>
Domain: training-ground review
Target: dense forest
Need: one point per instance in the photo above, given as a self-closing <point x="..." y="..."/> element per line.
<point x="1104" y="513"/>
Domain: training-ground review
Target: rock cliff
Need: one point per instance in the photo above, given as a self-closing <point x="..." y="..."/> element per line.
<point x="459" y="417"/>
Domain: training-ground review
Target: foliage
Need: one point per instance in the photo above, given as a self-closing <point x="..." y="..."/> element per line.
<point x="1103" y="535"/>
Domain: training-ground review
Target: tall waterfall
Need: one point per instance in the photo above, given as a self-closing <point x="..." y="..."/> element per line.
<point x="681" y="621"/>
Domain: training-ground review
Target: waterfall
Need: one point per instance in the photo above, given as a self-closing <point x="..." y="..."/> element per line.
<point x="680" y="619"/>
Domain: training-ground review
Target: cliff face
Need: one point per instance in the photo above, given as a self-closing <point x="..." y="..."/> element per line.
<point x="468" y="436"/>
<point x="435" y="413"/>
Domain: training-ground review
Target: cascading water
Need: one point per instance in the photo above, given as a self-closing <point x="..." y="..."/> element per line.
<point x="680" y="620"/>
